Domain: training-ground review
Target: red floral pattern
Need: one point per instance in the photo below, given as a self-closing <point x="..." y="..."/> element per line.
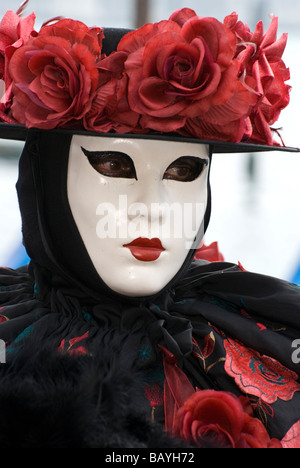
<point x="292" y="438"/>
<point x="71" y="346"/>
<point x="259" y="375"/>
<point x="3" y="318"/>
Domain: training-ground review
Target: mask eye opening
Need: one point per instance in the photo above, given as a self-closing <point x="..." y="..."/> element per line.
<point x="185" y="169"/>
<point x="111" y="163"/>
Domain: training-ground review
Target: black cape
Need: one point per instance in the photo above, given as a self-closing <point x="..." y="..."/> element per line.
<point x="228" y="329"/>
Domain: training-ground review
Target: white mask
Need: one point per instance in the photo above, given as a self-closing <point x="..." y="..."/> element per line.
<point x="134" y="192"/>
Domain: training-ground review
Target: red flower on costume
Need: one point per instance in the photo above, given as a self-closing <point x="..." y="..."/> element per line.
<point x="263" y="70"/>
<point x="211" y="253"/>
<point x="184" y="78"/>
<point x="55" y="75"/>
<point x="221" y="420"/>
<point x="259" y="375"/>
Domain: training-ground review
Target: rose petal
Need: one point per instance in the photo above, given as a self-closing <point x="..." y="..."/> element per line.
<point x="186" y="425"/>
<point x="271" y="34"/>
<point x="182" y="15"/>
<point x="220" y="40"/>
<point x="167" y="125"/>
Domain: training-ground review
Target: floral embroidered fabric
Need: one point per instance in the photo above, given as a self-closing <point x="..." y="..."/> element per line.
<point x="259" y="375"/>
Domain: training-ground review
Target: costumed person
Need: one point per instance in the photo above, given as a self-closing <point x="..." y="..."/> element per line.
<point x="116" y="336"/>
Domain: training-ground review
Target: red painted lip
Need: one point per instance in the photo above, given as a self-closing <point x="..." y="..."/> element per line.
<point x="145" y="250"/>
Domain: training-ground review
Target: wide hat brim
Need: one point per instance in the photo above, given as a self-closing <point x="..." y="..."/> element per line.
<point x="19" y="133"/>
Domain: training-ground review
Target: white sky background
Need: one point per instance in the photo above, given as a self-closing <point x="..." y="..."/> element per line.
<point x="256" y="222"/>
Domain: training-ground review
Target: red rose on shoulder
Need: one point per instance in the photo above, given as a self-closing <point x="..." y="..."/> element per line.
<point x="211" y="253"/>
<point x="221" y="420"/>
<point x="183" y="76"/>
<point x="55" y="75"/>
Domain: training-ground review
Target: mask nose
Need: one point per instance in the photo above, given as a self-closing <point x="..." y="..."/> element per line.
<point x="148" y="208"/>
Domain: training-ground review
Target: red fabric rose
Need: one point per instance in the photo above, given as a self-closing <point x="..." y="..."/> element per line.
<point x="110" y="109"/>
<point x="211" y="253"/>
<point x="264" y="71"/>
<point x="55" y="75"/>
<point x="221" y="420"/>
<point x="183" y="77"/>
<point x="14" y="33"/>
<point x="182" y="15"/>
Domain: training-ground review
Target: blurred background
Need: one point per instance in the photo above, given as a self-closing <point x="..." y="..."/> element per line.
<point x="256" y="198"/>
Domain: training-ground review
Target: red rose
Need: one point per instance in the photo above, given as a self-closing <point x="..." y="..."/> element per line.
<point x="222" y="420"/>
<point x="14" y="33"/>
<point x="55" y="75"/>
<point x="263" y="70"/>
<point x="110" y="109"/>
<point x="184" y="78"/>
<point x="182" y="15"/>
<point x="227" y="122"/>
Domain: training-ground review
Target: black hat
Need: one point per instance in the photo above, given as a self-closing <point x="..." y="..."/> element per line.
<point x="188" y="78"/>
